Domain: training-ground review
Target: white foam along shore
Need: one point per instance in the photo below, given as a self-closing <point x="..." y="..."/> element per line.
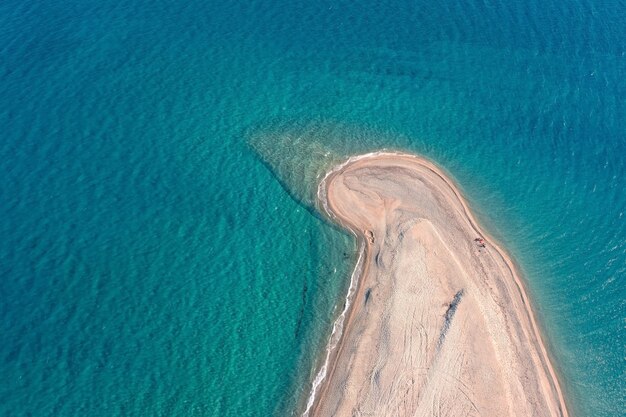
<point x="337" y="331"/>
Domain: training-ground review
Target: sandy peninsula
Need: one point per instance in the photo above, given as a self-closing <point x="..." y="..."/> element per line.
<point x="439" y="323"/>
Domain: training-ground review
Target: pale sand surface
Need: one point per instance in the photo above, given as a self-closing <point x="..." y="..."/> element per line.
<point x="438" y="326"/>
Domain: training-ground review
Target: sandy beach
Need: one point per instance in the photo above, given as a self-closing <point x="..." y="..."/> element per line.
<point x="439" y="323"/>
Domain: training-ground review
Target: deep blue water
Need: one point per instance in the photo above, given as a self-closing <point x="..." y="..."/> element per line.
<point x="152" y="264"/>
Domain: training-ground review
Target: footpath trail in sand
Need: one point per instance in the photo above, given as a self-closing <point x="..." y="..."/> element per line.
<point x="438" y="326"/>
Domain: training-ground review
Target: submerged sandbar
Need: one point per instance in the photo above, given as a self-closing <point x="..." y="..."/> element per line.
<point x="439" y="323"/>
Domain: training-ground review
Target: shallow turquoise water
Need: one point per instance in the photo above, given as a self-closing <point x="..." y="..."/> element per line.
<point x="152" y="264"/>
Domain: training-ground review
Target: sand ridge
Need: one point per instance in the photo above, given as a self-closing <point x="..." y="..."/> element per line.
<point x="438" y="325"/>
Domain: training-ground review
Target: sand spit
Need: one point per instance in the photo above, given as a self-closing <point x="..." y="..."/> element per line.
<point x="437" y="325"/>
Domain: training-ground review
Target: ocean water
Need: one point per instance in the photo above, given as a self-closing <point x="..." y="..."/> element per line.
<point x="161" y="254"/>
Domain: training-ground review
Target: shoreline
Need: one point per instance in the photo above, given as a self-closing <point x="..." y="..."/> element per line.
<point x="337" y="344"/>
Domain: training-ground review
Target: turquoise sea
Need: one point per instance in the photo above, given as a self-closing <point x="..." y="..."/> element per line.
<point x="160" y="254"/>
